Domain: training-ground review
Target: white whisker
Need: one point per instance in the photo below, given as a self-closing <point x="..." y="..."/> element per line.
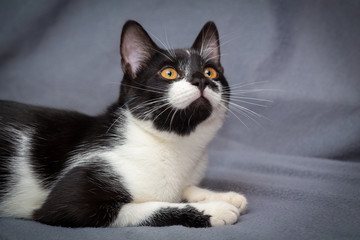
<point x="241" y="85"/>
<point x="164" y="45"/>
<point x="169" y="106"/>
<point x="254" y="90"/>
<point x="190" y="117"/>
<point x="214" y="57"/>
<point x="151" y="111"/>
<point x="220" y="45"/>
<point x="244" y="109"/>
<point x="171" y="50"/>
<point x="172" y="118"/>
<point x="228" y="109"/>
<point x="147" y="103"/>
<point x="117" y="119"/>
<point x="251" y="98"/>
<point x="250" y="103"/>
<point x="168" y="57"/>
<point x="148" y="90"/>
<point x="152" y="88"/>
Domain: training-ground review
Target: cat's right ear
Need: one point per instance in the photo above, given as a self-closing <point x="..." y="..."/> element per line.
<point x="136" y="48"/>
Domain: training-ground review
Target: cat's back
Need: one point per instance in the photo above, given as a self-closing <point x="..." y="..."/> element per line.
<point x="43" y="122"/>
<point x="36" y="145"/>
<point x="43" y="132"/>
<point x="42" y="136"/>
<point x="30" y="115"/>
<point x="13" y="112"/>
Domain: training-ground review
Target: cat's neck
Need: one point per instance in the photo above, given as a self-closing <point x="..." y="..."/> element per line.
<point x="199" y="138"/>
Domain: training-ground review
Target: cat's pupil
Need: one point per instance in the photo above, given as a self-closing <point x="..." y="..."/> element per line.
<point x="169" y="73"/>
<point x="207" y="72"/>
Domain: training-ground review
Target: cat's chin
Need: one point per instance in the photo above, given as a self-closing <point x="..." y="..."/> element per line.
<point x="201" y="103"/>
<point x="182" y="121"/>
<point x="201" y="107"/>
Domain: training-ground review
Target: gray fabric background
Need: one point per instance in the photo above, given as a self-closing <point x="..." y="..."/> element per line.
<point x="299" y="166"/>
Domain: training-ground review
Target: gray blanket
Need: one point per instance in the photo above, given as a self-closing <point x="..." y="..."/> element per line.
<point x="297" y="159"/>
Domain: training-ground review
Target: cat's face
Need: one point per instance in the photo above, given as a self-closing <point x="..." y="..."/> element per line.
<point x="175" y="89"/>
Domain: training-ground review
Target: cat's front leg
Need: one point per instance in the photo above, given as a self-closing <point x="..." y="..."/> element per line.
<point x="196" y="194"/>
<point x="186" y="214"/>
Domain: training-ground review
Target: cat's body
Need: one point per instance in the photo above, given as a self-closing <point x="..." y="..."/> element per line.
<point x="135" y="163"/>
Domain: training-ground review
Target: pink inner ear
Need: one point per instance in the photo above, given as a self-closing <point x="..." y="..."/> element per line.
<point x="134" y="58"/>
<point x="210" y="47"/>
<point x="132" y="54"/>
<point x="211" y="52"/>
<point x="134" y="48"/>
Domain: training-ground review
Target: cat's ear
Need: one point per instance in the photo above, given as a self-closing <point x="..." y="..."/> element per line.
<point x="207" y="43"/>
<point x="136" y="48"/>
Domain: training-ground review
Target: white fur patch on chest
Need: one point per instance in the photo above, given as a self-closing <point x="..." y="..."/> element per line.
<point x="157" y="166"/>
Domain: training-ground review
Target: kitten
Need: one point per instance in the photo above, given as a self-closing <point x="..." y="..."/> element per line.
<point x="137" y="164"/>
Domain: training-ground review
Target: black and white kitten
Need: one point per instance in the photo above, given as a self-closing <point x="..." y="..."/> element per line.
<point x="137" y="164"/>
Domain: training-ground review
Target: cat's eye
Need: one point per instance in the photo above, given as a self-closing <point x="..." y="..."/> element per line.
<point x="169" y="73"/>
<point x="210" y="72"/>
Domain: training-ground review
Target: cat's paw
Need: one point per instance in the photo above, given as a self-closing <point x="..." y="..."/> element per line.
<point x="195" y="194"/>
<point x="233" y="198"/>
<point x="221" y="213"/>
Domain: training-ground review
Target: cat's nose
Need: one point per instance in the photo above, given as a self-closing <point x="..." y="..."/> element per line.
<point x="201" y="83"/>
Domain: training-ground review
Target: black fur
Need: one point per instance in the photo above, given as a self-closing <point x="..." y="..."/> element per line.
<point x="7" y="150"/>
<point x="56" y="135"/>
<point x="187" y="216"/>
<point x="87" y="196"/>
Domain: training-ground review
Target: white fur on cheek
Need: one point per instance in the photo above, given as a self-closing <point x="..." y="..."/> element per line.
<point x="213" y="97"/>
<point x="182" y="94"/>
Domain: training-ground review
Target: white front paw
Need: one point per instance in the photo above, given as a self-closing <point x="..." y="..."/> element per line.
<point x="221" y="213"/>
<point x="196" y="194"/>
<point x="233" y="198"/>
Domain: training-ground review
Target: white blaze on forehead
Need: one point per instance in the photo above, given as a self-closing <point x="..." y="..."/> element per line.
<point x="182" y="93"/>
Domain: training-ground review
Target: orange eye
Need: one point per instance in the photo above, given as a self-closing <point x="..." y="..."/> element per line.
<point x="210" y="72"/>
<point x="169" y="73"/>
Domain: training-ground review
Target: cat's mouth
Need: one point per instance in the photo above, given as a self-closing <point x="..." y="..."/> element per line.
<point x="184" y="95"/>
<point x="201" y="104"/>
<point x="185" y="108"/>
<point x="202" y="100"/>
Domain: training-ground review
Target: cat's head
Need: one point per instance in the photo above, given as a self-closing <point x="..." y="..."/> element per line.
<point x="175" y="89"/>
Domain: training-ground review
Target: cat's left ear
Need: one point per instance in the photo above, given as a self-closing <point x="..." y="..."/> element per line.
<point x="207" y="43"/>
<point x="136" y="48"/>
